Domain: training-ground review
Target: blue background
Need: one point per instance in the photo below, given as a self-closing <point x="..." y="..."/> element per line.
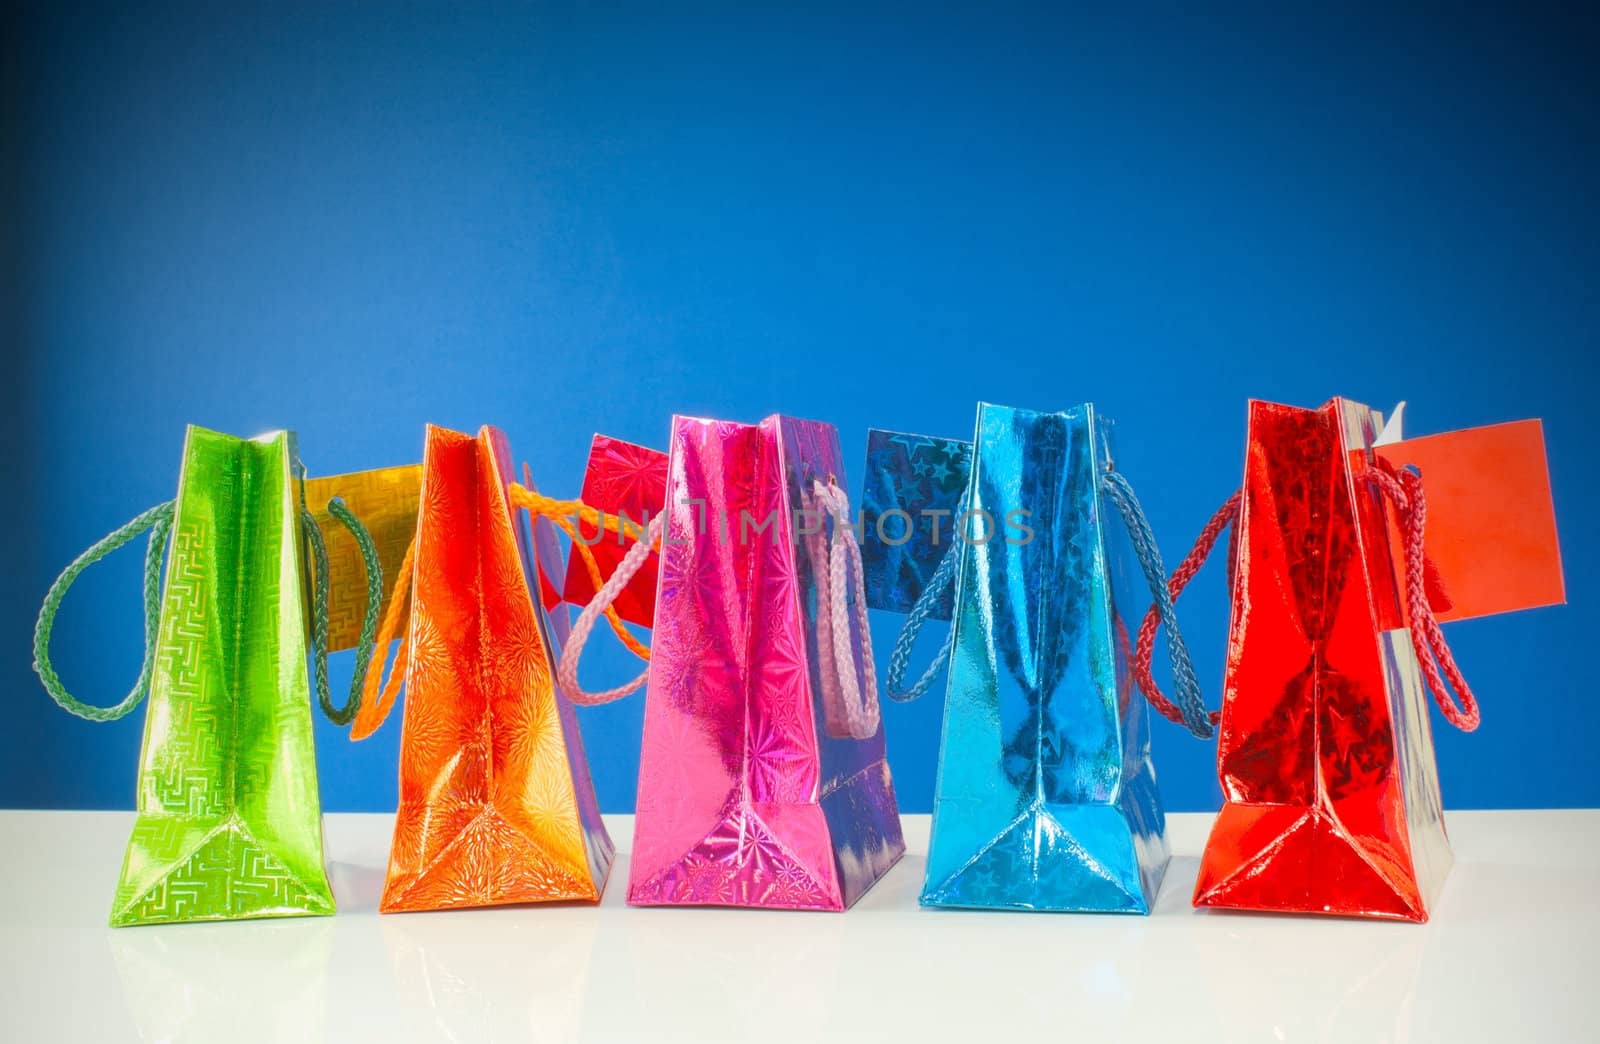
<point x="560" y="220"/>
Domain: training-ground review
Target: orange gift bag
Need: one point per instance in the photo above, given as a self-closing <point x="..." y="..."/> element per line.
<point x="496" y="803"/>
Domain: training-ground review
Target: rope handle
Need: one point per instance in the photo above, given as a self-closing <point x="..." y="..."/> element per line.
<point x="944" y="575"/>
<point x="1404" y="490"/>
<point x="859" y="702"/>
<point x="373" y="711"/>
<point x="378" y="696"/>
<point x="319" y="612"/>
<point x="1191" y="707"/>
<point x="158" y="520"/>
<point x="604" y="596"/>
<point x="1223" y="518"/>
<point x="1127" y="503"/>
<point x="561" y="513"/>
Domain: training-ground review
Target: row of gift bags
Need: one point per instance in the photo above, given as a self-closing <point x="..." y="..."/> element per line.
<point x="763" y="776"/>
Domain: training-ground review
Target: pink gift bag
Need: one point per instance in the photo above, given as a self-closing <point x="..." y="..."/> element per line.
<point x="762" y="779"/>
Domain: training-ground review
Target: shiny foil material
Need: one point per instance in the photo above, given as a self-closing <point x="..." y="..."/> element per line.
<point x="747" y="795"/>
<point x="385" y="500"/>
<point x="1325" y="751"/>
<point x="496" y="803"/>
<point x="1046" y="798"/>
<point x="909" y="498"/>
<point x="229" y="825"/>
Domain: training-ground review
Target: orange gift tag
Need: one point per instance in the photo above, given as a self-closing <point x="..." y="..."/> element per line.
<point x="1490" y="537"/>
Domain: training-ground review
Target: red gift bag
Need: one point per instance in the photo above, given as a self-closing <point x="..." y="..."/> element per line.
<point x="1341" y="568"/>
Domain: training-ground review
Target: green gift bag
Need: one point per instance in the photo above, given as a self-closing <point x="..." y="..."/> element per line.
<point x="229" y="824"/>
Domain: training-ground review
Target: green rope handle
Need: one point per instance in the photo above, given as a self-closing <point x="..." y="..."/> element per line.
<point x="159" y="521"/>
<point x="319" y="606"/>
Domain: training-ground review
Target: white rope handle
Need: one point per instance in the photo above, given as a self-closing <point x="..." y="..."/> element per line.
<point x="567" y="669"/>
<point x="860" y="706"/>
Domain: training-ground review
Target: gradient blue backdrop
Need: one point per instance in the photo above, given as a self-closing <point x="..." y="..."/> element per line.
<point x="559" y="220"/>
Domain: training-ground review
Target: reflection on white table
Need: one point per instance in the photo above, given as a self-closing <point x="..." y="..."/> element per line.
<point x="1505" y="958"/>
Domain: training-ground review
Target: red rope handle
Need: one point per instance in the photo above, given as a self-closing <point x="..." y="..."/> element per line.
<point x="1405" y="492"/>
<point x="1144" y="652"/>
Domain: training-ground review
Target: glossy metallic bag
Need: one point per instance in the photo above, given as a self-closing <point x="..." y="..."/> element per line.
<point x="496" y="803"/>
<point x="1046" y="798"/>
<point x="1341" y="570"/>
<point x="762" y="779"/>
<point x="229" y="825"/>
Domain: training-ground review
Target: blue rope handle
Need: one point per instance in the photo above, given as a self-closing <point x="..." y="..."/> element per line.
<point x="159" y="521"/>
<point x="319" y="605"/>
<point x="1190" y="700"/>
<point x="944" y="575"/>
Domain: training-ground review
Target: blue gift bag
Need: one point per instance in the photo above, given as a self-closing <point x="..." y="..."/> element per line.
<point x="1046" y="797"/>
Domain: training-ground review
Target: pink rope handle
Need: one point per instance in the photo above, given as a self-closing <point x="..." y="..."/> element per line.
<point x="1405" y="492"/>
<point x="860" y="704"/>
<point x="567" y="669"/>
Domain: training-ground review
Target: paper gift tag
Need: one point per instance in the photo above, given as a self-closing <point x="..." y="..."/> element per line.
<point x="385" y="500"/>
<point x="620" y="479"/>
<point x="909" y="497"/>
<point x="1490" y="538"/>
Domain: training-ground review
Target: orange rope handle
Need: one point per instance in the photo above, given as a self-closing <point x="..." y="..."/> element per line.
<point x="562" y="513"/>
<point x="375" y="711"/>
<point x="548" y="507"/>
<point x="592" y="567"/>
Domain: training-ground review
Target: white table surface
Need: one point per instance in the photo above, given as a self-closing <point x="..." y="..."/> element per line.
<point x="1508" y="956"/>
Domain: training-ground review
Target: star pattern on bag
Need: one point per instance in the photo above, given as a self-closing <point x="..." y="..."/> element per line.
<point x="730" y="809"/>
<point x="488" y="801"/>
